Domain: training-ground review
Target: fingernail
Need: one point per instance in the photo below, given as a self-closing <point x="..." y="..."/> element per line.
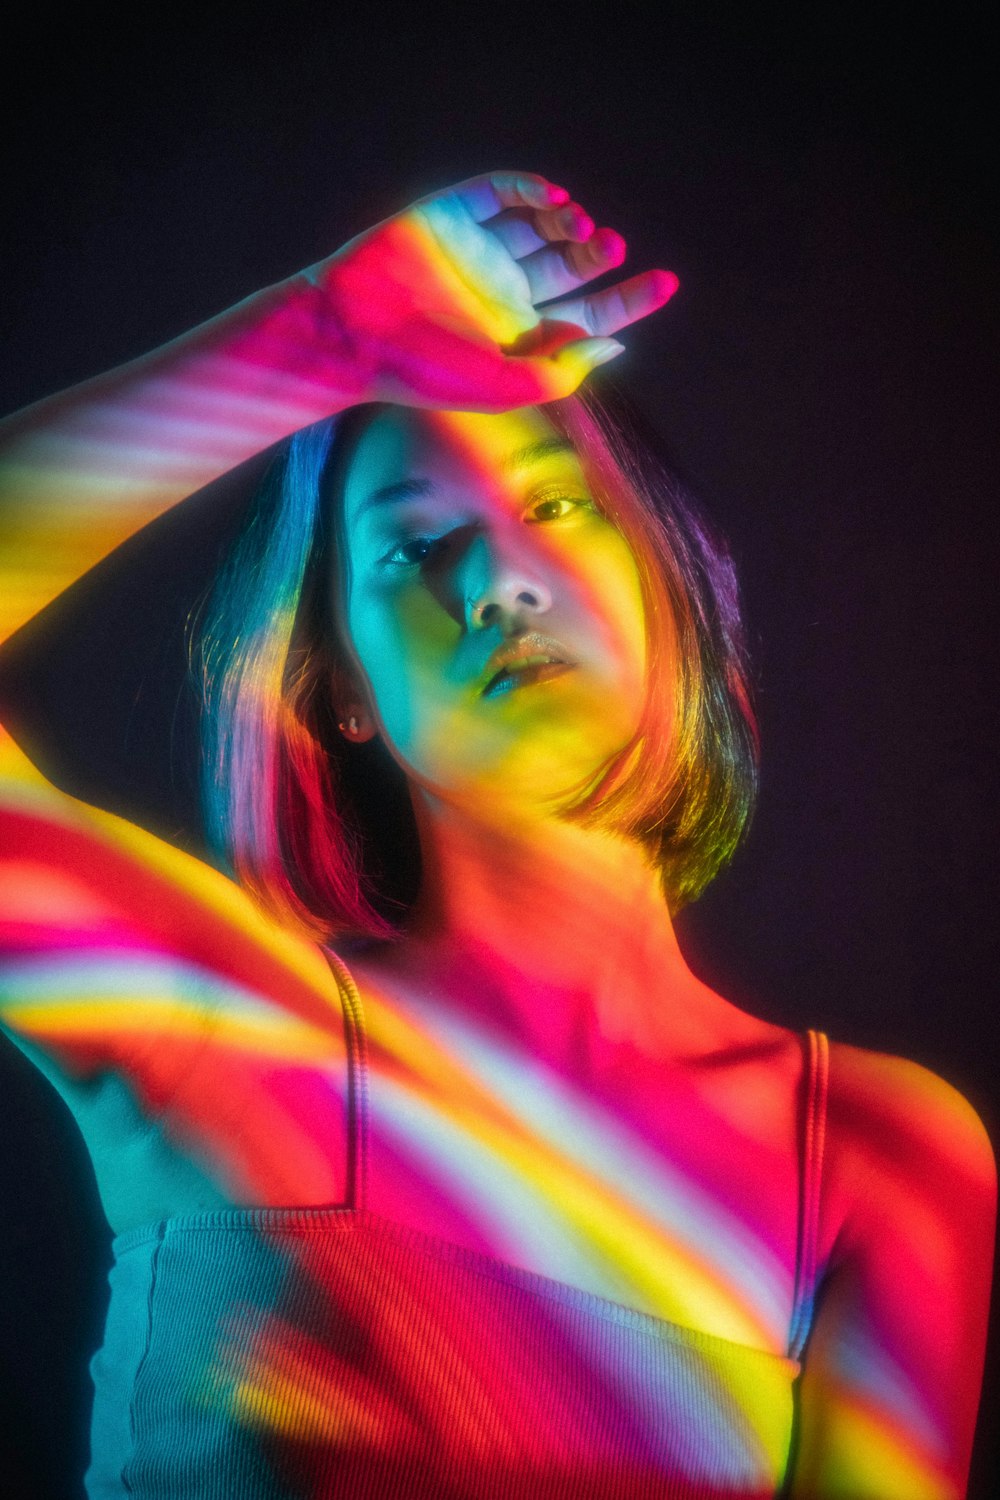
<point x="582" y="226"/>
<point x="611" y="244"/>
<point x="667" y="284"/>
<point x="600" y="351"/>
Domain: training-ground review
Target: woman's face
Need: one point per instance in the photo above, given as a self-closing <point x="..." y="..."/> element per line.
<point x="468" y="533"/>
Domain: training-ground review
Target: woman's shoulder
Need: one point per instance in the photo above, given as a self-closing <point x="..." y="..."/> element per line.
<point x="876" y="1107"/>
<point x="900" y="1141"/>
<point x="889" y="1130"/>
<point x="880" y="1102"/>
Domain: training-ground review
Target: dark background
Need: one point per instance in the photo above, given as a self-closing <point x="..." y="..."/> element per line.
<point x="827" y="377"/>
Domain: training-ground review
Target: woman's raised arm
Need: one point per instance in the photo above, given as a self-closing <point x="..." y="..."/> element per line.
<point x="442" y="305"/>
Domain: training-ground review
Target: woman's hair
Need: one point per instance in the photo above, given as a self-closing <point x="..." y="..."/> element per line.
<point x="322" y="832"/>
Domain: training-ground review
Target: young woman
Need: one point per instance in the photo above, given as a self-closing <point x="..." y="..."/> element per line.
<point x="433" y="1169"/>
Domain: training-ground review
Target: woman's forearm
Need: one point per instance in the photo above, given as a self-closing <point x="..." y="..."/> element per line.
<point x="82" y="470"/>
<point x="448" y="304"/>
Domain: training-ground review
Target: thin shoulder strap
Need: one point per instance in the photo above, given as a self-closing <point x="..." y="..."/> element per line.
<point x="817" y="1067"/>
<point x="357" y="1082"/>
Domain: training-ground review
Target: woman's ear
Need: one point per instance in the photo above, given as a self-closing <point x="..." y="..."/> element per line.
<point x="354" y="717"/>
<point x="356" y="724"/>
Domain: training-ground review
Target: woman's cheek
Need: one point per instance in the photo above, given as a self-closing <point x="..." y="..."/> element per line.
<point x="613" y="599"/>
<point x="405" y="643"/>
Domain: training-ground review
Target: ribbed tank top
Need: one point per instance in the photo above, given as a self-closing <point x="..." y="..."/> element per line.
<point x="279" y="1353"/>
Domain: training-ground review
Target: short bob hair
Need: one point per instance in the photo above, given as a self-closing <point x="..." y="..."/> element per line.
<point x="320" y="831"/>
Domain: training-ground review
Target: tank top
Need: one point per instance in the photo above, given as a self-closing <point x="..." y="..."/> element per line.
<point x="284" y="1353"/>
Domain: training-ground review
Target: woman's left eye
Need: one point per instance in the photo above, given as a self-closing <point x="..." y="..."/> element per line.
<point x="574" y="502"/>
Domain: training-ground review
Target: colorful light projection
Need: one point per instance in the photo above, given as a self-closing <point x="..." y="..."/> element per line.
<point x="135" y="975"/>
<point x="125" y="957"/>
<point x="446" y="1373"/>
<point x="436" y="306"/>
<point x="542" y="1274"/>
<point x="371" y="1237"/>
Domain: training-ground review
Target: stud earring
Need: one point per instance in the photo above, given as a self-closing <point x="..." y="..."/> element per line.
<point x="351" y="727"/>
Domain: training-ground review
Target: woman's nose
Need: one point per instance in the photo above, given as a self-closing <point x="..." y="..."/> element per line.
<point x="501" y="586"/>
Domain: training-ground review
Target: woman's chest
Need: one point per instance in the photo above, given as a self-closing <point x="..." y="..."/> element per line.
<point x="672" y="1189"/>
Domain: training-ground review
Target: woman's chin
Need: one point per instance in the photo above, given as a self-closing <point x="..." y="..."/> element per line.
<point x="522" y="787"/>
<point x="528" y="754"/>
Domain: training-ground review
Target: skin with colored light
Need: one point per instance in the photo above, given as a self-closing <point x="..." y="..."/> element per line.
<point x="511" y="540"/>
<point x="550" y="1085"/>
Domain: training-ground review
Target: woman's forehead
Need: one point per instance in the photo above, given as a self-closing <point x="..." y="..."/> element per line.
<point x="402" y="444"/>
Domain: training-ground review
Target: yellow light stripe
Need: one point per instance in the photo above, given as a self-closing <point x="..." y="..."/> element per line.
<point x="613" y="1228"/>
<point x="107" y="1021"/>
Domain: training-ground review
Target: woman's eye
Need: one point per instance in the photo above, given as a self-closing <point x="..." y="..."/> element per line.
<point x="411" y="553"/>
<point x="551" y="504"/>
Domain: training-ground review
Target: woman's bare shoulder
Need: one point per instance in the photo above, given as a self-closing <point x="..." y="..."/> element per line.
<point x="898" y="1133"/>
<point x="878" y="1098"/>
<point x="878" y="1105"/>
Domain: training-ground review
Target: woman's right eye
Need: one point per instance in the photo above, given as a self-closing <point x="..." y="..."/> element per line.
<point x="398" y="556"/>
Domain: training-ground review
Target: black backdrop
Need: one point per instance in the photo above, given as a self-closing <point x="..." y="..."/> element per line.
<point x="826" y="377"/>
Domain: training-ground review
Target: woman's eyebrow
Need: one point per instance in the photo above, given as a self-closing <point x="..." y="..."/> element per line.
<point x="405" y="489"/>
<point x="521" y="458"/>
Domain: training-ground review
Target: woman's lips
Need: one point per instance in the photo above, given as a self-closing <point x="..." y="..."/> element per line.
<point x="525" y="660"/>
<point x="518" y="677"/>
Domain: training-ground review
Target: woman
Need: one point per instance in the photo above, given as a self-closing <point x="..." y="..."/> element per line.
<point x="457" y="1181"/>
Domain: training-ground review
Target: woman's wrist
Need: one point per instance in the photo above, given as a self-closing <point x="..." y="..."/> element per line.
<point x="287" y="353"/>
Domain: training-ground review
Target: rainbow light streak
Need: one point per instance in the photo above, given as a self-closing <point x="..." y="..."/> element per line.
<point x="128" y="960"/>
<point x="530" y="1141"/>
<point x="538" y="1106"/>
<point x="370" y="1244"/>
<point x="239" y="1064"/>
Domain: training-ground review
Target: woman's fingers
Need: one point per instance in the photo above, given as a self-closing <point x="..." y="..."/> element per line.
<point x="516" y="232"/>
<point x="521" y="231"/>
<point x="531" y="333"/>
<point x="484" y="197"/>
<point x="561" y="268"/>
<point x="555" y="245"/>
<point x="605" y="312"/>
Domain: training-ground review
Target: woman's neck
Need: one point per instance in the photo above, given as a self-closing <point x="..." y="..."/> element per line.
<point x="558" y="935"/>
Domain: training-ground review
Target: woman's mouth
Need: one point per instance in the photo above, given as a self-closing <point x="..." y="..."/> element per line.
<point x="524" y="660"/>
<point x="519" y="676"/>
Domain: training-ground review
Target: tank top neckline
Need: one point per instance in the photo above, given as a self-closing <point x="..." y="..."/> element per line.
<point x="324" y="1219"/>
<point x="354" y="1215"/>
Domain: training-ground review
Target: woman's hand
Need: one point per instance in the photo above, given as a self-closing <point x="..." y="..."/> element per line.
<point x="449" y="303"/>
